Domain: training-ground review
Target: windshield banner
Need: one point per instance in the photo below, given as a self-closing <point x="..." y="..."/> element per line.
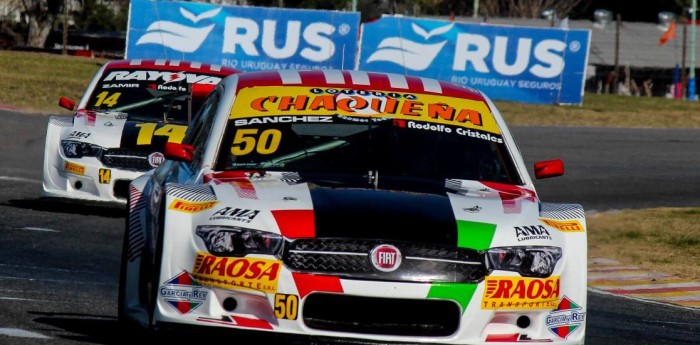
<point x="360" y="105"/>
<point x="246" y="38"/>
<point x="532" y="65"/>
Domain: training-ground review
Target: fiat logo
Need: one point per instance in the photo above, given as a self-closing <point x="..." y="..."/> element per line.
<point x="386" y="258"/>
<point x="155" y="159"/>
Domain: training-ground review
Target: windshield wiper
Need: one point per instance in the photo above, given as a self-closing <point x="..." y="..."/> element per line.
<point x="158" y="97"/>
<point x="309" y="152"/>
<point x="139" y="104"/>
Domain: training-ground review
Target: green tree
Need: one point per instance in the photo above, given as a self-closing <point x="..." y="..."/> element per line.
<point x="96" y="16"/>
<point x="42" y="14"/>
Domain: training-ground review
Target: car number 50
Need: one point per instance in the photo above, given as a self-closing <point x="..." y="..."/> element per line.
<point x="246" y="140"/>
<point x="286" y="306"/>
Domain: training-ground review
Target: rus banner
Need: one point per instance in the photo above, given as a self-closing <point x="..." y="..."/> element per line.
<point x="245" y="38"/>
<point x="523" y="64"/>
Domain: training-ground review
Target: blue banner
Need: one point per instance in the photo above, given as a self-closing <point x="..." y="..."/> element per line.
<point x="246" y="38"/>
<point x="523" y="64"/>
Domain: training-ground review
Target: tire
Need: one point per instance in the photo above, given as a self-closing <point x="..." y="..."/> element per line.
<point x="123" y="319"/>
<point x="147" y="284"/>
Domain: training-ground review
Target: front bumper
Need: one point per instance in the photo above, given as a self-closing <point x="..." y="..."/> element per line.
<point x="85" y="179"/>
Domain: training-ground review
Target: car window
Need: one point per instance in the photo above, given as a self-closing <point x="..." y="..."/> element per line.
<point x="389" y="147"/>
<point x="147" y="94"/>
<point x="199" y="130"/>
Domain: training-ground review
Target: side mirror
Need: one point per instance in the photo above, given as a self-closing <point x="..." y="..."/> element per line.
<point x="549" y="168"/>
<point x="66" y="103"/>
<point x="179" y="152"/>
<point x="201" y="91"/>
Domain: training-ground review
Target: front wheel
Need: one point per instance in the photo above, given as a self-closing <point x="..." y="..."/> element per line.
<point x="137" y="276"/>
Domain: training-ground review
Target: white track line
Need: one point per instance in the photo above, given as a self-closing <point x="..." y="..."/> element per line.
<point x="18" y="179"/>
<point x="30" y="228"/>
<point x="16" y="332"/>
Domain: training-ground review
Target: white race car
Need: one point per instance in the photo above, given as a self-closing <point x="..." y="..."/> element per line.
<point x="130" y="109"/>
<point x="353" y="205"/>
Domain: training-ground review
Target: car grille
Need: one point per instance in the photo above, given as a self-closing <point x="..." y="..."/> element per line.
<point x="350" y="258"/>
<point x="385" y="316"/>
<point x="127" y="159"/>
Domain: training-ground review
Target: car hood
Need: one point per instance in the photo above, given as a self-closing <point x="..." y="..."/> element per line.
<point x="117" y="130"/>
<point x="465" y="211"/>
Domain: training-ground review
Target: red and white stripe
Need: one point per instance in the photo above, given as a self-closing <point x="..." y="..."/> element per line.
<point x="172" y="65"/>
<point x="360" y="80"/>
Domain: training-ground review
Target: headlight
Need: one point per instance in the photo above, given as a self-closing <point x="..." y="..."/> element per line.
<point x="236" y="241"/>
<point x="528" y="261"/>
<point x="77" y="149"/>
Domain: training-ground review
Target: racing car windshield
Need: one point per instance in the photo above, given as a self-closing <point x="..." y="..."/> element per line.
<point x="389" y="147"/>
<point x="147" y="95"/>
<point x="365" y="132"/>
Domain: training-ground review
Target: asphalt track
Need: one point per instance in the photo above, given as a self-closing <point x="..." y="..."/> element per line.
<point x="59" y="262"/>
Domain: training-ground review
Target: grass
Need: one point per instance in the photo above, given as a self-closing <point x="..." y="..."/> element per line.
<point x="607" y="111"/>
<point x="664" y="239"/>
<point x="660" y="239"/>
<point x="34" y="82"/>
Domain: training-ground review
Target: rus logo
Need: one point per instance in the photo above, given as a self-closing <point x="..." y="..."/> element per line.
<point x="179" y="37"/>
<point x="480" y="53"/>
<point x="246" y="36"/>
<point x="410" y="54"/>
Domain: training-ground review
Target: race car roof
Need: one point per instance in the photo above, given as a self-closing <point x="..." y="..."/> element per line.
<point x="357" y="80"/>
<point x="171" y="65"/>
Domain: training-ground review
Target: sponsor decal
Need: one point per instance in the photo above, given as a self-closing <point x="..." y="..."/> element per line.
<point x="74" y="168"/>
<point x="474" y="209"/>
<point x="242" y="37"/>
<point x="237" y="321"/>
<point x="183" y="292"/>
<point x="385" y="258"/>
<point x="236" y="214"/>
<point x="445" y="129"/>
<point x="191" y="207"/>
<point x="161" y="76"/>
<point x="155" y="159"/>
<point x="120" y="86"/>
<point x="283" y="119"/>
<point x="520" y="293"/>
<point x="168" y="88"/>
<point x="532" y="232"/>
<point x="566" y="318"/>
<point x="392" y="49"/>
<point x="518" y="338"/>
<point x="181" y="38"/>
<point x="564" y="225"/>
<point x="427" y="111"/>
<point x="78" y="135"/>
<point x="105" y="176"/>
<point x="237" y="273"/>
<point x="523" y="64"/>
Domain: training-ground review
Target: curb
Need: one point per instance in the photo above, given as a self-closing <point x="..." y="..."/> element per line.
<point x="613" y="277"/>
